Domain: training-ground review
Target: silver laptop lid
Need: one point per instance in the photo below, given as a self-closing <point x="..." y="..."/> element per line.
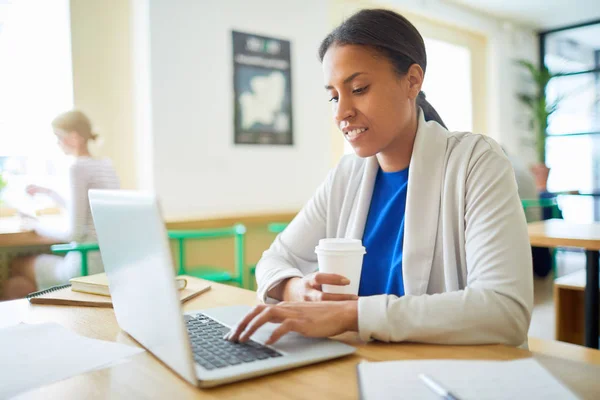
<point x="137" y="260"/>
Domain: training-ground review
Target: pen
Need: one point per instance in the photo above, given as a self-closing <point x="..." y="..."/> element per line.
<point x="437" y="388"/>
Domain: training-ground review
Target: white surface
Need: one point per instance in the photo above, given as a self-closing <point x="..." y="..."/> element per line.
<point x="21" y="202"/>
<point x="448" y="85"/>
<point x="34" y="33"/>
<point x="343" y="244"/>
<point x="36" y="355"/>
<point x="540" y="13"/>
<point x="142" y="95"/>
<point x="482" y="380"/>
<point x="344" y="257"/>
<point x="11" y="315"/>
<point x="348" y="264"/>
<point x="198" y="171"/>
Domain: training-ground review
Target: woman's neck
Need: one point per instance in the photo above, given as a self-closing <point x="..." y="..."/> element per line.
<point x="83" y="153"/>
<point x="396" y="157"/>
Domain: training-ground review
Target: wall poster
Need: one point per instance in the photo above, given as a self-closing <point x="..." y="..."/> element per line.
<point x="262" y="90"/>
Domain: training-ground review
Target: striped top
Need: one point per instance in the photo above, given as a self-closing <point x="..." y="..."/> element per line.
<point x="84" y="174"/>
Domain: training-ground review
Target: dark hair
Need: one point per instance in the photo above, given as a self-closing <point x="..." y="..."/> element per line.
<point x="390" y="34"/>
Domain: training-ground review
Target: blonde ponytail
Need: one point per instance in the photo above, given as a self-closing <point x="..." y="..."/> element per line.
<point x="75" y="121"/>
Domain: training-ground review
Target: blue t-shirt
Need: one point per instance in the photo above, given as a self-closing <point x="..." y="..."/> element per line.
<point x="384" y="236"/>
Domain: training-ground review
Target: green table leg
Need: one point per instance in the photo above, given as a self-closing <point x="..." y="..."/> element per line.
<point x="181" y="257"/>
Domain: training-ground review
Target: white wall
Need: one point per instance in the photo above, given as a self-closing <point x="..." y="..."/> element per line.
<point x="511" y="119"/>
<point x="143" y="141"/>
<point x="197" y="169"/>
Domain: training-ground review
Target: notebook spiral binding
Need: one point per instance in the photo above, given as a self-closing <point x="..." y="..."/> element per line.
<point x="46" y="291"/>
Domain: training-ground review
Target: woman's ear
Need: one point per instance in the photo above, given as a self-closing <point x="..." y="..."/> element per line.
<point x="414" y="77"/>
<point x="75" y="138"/>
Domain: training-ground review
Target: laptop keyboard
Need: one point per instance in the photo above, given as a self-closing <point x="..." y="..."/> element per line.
<point x="212" y="351"/>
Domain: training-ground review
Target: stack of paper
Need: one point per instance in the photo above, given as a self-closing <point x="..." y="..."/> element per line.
<point x="36" y="355"/>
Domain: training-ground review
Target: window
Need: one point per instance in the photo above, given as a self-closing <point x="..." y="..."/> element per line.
<point x="573" y="145"/>
<point x="447" y="85"/>
<point x="37" y="84"/>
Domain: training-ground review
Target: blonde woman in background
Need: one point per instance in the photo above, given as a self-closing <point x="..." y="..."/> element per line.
<point x="73" y="132"/>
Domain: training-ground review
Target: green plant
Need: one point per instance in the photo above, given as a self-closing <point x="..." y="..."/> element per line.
<point x="539" y="105"/>
<point x="2" y="182"/>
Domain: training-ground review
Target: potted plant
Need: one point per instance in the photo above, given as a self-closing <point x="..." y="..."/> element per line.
<point x="2" y="183"/>
<point x="541" y="111"/>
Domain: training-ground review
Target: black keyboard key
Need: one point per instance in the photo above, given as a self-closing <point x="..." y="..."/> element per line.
<point x="220" y="364"/>
<point x="233" y="361"/>
<point x="212" y="351"/>
<point x="207" y="365"/>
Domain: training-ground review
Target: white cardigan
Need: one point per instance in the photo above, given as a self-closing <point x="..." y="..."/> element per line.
<point x="466" y="259"/>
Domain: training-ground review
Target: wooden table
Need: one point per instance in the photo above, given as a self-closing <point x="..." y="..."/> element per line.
<point x="569" y="307"/>
<point x="559" y="233"/>
<point x="144" y="377"/>
<point x="16" y="241"/>
<point x="13" y="235"/>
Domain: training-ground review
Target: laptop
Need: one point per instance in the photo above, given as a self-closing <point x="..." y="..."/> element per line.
<point x="137" y="259"/>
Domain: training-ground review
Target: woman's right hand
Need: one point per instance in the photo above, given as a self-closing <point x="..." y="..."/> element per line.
<point x="32" y="190"/>
<point x="309" y="288"/>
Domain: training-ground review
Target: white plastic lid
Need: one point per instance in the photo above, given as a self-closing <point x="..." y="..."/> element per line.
<point x="340" y="244"/>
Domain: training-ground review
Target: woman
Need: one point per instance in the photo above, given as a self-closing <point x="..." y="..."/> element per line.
<point x="448" y="257"/>
<point x="73" y="132"/>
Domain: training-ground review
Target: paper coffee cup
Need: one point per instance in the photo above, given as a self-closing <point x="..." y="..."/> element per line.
<point x="343" y="257"/>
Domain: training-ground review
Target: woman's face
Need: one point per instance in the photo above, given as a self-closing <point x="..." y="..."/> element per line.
<point x="67" y="141"/>
<point x="372" y="104"/>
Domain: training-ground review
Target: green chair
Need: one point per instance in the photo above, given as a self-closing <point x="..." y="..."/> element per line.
<point x="83" y="248"/>
<point x="552" y="204"/>
<point x="210" y="273"/>
<point x="277" y="228"/>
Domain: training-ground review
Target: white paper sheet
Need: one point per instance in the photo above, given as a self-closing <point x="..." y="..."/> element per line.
<point x="36" y="355"/>
<point x="481" y="380"/>
<point x="12" y="312"/>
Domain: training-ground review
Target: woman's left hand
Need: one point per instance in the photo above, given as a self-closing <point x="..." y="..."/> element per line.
<point x="312" y="319"/>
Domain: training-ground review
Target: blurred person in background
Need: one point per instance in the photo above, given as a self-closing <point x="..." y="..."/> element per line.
<point x="73" y="132"/>
<point x="541" y="256"/>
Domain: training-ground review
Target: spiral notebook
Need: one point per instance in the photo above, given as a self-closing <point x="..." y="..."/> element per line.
<point x="64" y="296"/>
